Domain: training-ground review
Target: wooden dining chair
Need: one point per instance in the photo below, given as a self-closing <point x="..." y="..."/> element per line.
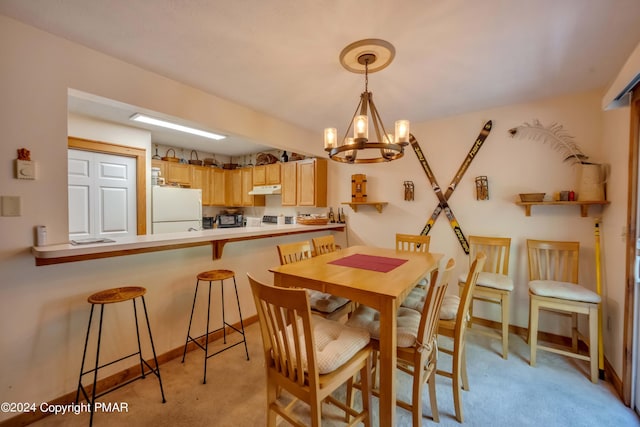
<point x="417" y="346"/>
<point x="308" y="357"/>
<point x="324" y="244"/>
<point x="415" y="243"/>
<point x="457" y="309"/>
<point x="553" y="286"/>
<point x="323" y="304"/>
<point x="494" y="284"/>
<point x="412" y="242"/>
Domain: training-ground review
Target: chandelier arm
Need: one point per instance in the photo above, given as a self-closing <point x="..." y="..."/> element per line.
<point x="377" y="121"/>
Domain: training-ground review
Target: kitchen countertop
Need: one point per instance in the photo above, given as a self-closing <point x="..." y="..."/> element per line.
<point x="66" y="252"/>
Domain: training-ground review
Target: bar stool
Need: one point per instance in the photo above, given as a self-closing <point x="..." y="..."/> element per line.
<point x="210" y="276"/>
<point x="112" y="296"/>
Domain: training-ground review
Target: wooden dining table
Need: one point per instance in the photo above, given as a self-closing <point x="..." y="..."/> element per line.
<point x="378" y="277"/>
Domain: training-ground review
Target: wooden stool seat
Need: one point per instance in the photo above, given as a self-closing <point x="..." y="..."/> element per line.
<point x="213" y="275"/>
<point x="114" y="295"/>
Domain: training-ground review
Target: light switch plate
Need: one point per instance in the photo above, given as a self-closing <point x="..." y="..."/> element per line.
<point x="11" y="205"/>
<point x="25" y="169"/>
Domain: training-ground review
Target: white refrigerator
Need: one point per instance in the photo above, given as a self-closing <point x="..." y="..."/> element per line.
<point x="176" y="209"/>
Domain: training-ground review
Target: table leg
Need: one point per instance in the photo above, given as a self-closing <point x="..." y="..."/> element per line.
<point x="388" y="342"/>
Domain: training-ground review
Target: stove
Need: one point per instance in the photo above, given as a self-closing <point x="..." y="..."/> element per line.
<point x="273" y="219"/>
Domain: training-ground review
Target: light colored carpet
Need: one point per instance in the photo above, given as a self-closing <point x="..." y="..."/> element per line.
<point x="509" y="392"/>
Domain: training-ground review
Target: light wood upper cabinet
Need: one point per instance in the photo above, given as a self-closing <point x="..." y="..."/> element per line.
<point x="217" y="191"/>
<point x="289" y="183"/>
<point x="246" y="186"/>
<point x="200" y="179"/>
<point x="238" y="184"/>
<point x="233" y="187"/>
<point x="260" y="175"/>
<point x="173" y="172"/>
<point x="273" y="173"/>
<point x="304" y="183"/>
<point x="179" y="173"/>
<point x="267" y="174"/>
<point x="162" y="165"/>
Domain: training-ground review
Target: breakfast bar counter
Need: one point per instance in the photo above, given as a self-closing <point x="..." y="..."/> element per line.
<point x="67" y="252"/>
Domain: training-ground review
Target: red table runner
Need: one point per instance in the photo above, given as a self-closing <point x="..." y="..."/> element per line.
<point x="370" y="262"/>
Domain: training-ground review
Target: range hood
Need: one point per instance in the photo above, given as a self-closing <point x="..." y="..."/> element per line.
<point x="266" y="189"/>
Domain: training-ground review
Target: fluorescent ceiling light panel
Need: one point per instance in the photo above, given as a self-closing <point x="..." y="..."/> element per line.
<point x="165" y="124"/>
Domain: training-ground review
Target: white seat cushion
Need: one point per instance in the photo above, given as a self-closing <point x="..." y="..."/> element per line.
<point x="368" y="319"/>
<point x="563" y="290"/>
<point x="325" y="303"/>
<point x="491" y="280"/>
<point x="335" y="343"/>
<point x="415" y="299"/>
<point x="449" y="308"/>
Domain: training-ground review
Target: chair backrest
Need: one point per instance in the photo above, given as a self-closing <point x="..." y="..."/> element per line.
<point x="294" y="252"/>
<point x="428" y="329"/>
<point x="467" y="293"/>
<point x="553" y="260"/>
<point x="495" y="248"/>
<point x="412" y="242"/>
<point x="324" y="244"/>
<point x="285" y="324"/>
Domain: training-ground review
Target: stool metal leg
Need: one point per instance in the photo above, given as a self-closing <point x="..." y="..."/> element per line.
<point x="95" y="372"/>
<point x="153" y="349"/>
<point x="193" y="306"/>
<point x="206" y="337"/>
<point x="224" y="322"/>
<point x="135" y="316"/>
<point x="244" y="337"/>
<point x="84" y="355"/>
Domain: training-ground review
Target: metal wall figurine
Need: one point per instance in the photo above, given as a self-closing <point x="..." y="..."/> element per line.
<point x="482" y="188"/>
<point x="408" y="190"/>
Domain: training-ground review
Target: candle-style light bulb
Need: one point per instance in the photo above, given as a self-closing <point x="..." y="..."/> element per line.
<point x="402" y="131"/>
<point x="330" y="141"/>
<point x="361" y="127"/>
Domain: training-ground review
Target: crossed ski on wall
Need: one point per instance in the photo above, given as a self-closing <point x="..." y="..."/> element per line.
<point x="443" y="204"/>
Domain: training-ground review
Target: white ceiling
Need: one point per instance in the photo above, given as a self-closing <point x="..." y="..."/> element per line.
<point x="281" y="56"/>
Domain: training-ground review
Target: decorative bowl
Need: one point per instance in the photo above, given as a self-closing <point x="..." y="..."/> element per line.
<point x="531" y="197"/>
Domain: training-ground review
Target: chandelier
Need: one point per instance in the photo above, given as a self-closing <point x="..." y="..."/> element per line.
<point x="367" y="56"/>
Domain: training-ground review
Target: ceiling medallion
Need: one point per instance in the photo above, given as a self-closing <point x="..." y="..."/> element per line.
<point x="364" y="57"/>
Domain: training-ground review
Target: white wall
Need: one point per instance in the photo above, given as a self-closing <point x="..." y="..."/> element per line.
<point x="43" y="310"/>
<point x="512" y="165"/>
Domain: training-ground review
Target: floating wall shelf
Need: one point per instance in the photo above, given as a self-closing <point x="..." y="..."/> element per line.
<point x="354" y="205"/>
<point x="584" y="205"/>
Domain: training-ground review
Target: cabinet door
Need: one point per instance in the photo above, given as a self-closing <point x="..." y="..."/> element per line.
<point x="246" y="186"/>
<point x="260" y="175"/>
<point x="162" y="165"/>
<point x="217" y="187"/>
<point x="306" y="192"/>
<point x="179" y="173"/>
<point x="289" y="186"/>
<point x="273" y="173"/>
<point x="312" y="183"/>
<point x="200" y="179"/>
<point x="233" y="186"/>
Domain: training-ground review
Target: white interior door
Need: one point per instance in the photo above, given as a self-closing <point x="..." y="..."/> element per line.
<point x="102" y="195"/>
